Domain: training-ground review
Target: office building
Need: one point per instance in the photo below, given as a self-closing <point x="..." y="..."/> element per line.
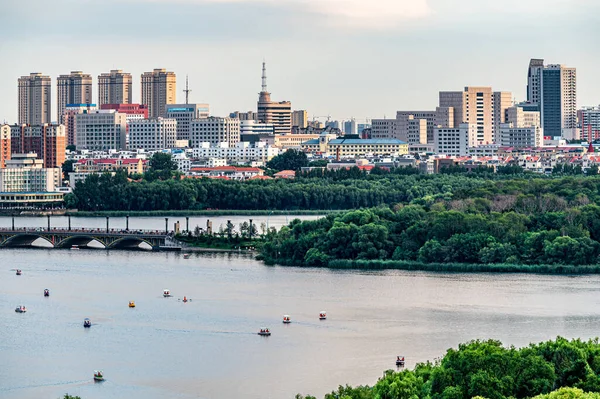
<point x="241" y="153"/>
<point x="300" y="119"/>
<point x="244" y="116"/>
<point x="101" y="130"/>
<point x="152" y="134"/>
<point x="405" y="120"/>
<point x="75" y="88"/>
<point x="329" y="145"/>
<point x="518" y="117"/>
<point x="133" y="111"/>
<point x="278" y="114"/>
<point x="184" y="114"/>
<point x="24" y="173"/>
<point x="456" y="141"/>
<point x="383" y="129"/>
<point x="214" y="130"/>
<point x="534" y="82"/>
<point x="559" y="101"/>
<point x="520" y="137"/>
<point x="159" y="88"/>
<point x="589" y="123"/>
<point x="35" y="102"/>
<point x="114" y="88"/>
<point x="502" y="100"/>
<point x="5" y="145"/>
<point x="47" y="141"/>
<point x="350" y="127"/>
<point x="68" y="118"/>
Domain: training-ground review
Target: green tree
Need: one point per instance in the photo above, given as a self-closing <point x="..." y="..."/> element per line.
<point x="289" y="160"/>
<point x="67" y="168"/>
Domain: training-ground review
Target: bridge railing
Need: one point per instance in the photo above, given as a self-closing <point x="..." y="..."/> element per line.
<point x="64" y="230"/>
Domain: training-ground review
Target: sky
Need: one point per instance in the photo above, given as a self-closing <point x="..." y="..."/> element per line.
<point x="343" y="58"/>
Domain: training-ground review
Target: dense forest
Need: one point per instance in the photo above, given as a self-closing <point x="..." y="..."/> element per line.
<point x="350" y="189"/>
<point x="540" y="230"/>
<point x="558" y="369"/>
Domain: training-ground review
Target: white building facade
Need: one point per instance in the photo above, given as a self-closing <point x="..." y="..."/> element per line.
<point x="101" y="130"/>
<point x="455" y="141"/>
<point x="240" y="154"/>
<point x="520" y="137"/>
<point x="215" y="130"/>
<point x="184" y="114"/>
<point x="152" y="134"/>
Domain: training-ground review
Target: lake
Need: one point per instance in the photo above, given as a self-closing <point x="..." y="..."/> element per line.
<point x="208" y="348"/>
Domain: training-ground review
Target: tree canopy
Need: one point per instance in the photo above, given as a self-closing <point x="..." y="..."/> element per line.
<point x="289" y="160"/>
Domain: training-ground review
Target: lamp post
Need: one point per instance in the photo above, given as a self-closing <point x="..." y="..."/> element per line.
<point x="13" y="223"/>
<point x="48" y="222"/>
<point x="166" y="225"/>
<point x="69" y="222"/>
<point x="107" y="224"/>
<point x="187" y="224"/>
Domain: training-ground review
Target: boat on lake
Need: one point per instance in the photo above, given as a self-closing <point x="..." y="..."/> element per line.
<point x="46" y="292"/>
<point x="185" y="299"/>
<point x="166" y="293"/>
<point x="21" y="309"/>
<point x="131" y="304"/>
<point x="19" y="272"/>
<point x="264" y="332"/>
<point x="74" y="246"/>
<point x="399" y="361"/>
<point x="186" y="256"/>
<point x="98" y="375"/>
<point x="286" y="319"/>
<point x="87" y="323"/>
<point x="322" y="315"/>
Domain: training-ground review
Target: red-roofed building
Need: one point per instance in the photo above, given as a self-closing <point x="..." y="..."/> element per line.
<point x="131" y="166"/>
<point x="231" y="172"/>
<point x="285" y="174"/>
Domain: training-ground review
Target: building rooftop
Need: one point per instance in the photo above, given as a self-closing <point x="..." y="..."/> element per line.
<point x="367" y="141"/>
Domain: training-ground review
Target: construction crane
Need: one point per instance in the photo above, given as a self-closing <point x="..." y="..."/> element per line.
<point x="315" y="117"/>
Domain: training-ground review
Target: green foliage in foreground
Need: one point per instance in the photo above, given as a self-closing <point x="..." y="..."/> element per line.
<point x="67" y="396"/>
<point x="487" y="369"/>
<point x="415" y="235"/>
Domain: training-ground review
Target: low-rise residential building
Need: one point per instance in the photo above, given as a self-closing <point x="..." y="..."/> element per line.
<point x="131" y="166"/>
<point x="226" y="172"/>
<point x="241" y="154"/>
<point x="152" y="134"/>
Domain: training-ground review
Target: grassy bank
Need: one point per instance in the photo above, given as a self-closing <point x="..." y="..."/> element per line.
<point x="214" y="242"/>
<point x="198" y="213"/>
<point x="451" y="267"/>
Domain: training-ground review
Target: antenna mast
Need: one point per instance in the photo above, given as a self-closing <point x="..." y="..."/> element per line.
<point x="187" y="90"/>
<point x="264" y="77"/>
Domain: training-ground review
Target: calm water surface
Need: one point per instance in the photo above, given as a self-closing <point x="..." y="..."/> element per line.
<point x="208" y="348"/>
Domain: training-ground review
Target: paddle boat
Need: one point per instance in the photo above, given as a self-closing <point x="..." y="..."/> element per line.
<point x="399" y="361"/>
<point x="21" y="309"/>
<point x="46" y="292"/>
<point x="74" y="246"/>
<point x="322" y="315"/>
<point x="166" y="293"/>
<point x="264" y="332"/>
<point x="186" y="256"/>
<point x="98" y="375"/>
<point x="286" y="319"/>
<point x="131" y="304"/>
<point x="87" y="323"/>
<point x="185" y="299"/>
<point x="19" y="272"/>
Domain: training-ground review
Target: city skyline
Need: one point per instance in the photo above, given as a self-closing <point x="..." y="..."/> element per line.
<point x="360" y="63"/>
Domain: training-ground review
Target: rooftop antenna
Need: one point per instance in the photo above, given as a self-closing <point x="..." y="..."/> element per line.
<point x="264" y="77"/>
<point x="187" y="90"/>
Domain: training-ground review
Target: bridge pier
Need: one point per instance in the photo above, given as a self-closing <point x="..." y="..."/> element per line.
<point x="13" y="222"/>
<point x="48" y="222"/>
<point x="69" y="223"/>
<point x="107" y="224"/>
<point x="166" y="225"/>
<point x="127" y="223"/>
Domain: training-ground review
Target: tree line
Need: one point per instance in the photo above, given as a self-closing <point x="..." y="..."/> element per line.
<point x="557" y="369"/>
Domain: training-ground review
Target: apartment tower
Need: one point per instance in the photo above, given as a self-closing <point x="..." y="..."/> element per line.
<point x="559" y="101"/>
<point x="114" y="88"/>
<point x="4" y="145"/>
<point x="35" y="102"/>
<point x="159" y="88"/>
<point x="48" y="141"/>
<point x="75" y="88"/>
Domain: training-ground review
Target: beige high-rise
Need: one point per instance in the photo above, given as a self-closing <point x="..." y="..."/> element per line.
<point x="300" y="119"/>
<point x="35" y="102"/>
<point x="159" y="88"/>
<point x="474" y="105"/>
<point x="502" y="101"/>
<point x="75" y="88"/>
<point x="114" y="88"/>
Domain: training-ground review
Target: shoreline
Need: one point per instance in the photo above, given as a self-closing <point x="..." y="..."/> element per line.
<point x="183" y="213"/>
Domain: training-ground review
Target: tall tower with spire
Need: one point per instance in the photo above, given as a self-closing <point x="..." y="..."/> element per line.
<point x="279" y="114"/>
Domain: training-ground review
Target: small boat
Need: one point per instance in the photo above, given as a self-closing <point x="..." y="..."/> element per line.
<point x="19" y="272"/>
<point x="322" y="315"/>
<point x="21" y="309"/>
<point x="46" y="292"/>
<point x="131" y="304"/>
<point x="74" y="246"/>
<point x="399" y="361"/>
<point x="185" y="299"/>
<point x="166" y="293"/>
<point x="87" y="323"/>
<point x="98" y="376"/>
<point x="286" y="319"/>
<point x="264" y="332"/>
<point x="186" y="256"/>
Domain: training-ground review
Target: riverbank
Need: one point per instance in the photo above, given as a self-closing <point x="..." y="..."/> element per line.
<point x="202" y="212"/>
<point x="367" y="265"/>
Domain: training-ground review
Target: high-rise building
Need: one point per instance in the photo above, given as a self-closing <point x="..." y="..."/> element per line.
<point x="152" y="134"/>
<point x="114" y="88"/>
<point x="75" y="88"/>
<point x="502" y="101"/>
<point x="101" y="130"/>
<point x="559" y="101"/>
<point x="300" y="119"/>
<point x="35" y="102"/>
<point x="534" y="82"/>
<point x="589" y="123"/>
<point x="159" y="88"/>
<point x="184" y="114"/>
<point x="215" y="130"/>
<point x="278" y="114"/>
<point x="68" y="118"/>
<point x="47" y="141"/>
<point x="350" y="127"/>
<point x="4" y="145"/>
<point x="442" y="116"/>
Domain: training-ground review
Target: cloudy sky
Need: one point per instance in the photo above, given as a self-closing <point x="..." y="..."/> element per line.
<point x="344" y="58"/>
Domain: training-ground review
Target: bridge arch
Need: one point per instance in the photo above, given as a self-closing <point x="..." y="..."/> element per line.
<point x="24" y="240"/>
<point x="130" y="242"/>
<point x="80" y="241"/>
